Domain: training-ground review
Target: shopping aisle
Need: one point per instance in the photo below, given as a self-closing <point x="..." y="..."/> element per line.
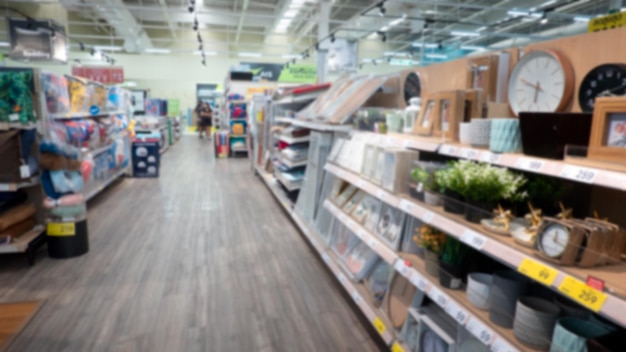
<point x="199" y="260"/>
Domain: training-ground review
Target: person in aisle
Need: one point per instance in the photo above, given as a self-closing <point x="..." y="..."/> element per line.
<point x="207" y="117"/>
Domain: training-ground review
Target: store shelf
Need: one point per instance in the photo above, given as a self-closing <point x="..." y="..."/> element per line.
<point x="98" y="151"/>
<point x="20" y="245"/>
<point x="549" y="167"/>
<point x="11" y="187"/>
<point x="272" y="184"/>
<point x="5" y="126"/>
<point x="506" y="250"/>
<point x="378" y="246"/>
<point x="239" y="149"/>
<point x="92" y="193"/>
<point x="85" y="115"/>
<point x="237" y="102"/>
<point x="283" y="119"/>
<point x="294" y="140"/>
<point x="321" y="126"/>
<point x="398" y="140"/>
<point x="292" y="164"/>
<point x="298" y="99"/>
<point x="232" y="135"/>
<point x="286" y="183"/>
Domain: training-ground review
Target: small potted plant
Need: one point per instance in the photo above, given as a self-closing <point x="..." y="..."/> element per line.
<point x="427" y="185"/>
<point x="545" y="193"/>
<point x="432" y="240"/>
<point x="451" y="183"/>
<point x="452" y="263"/>
<point x="416" y="187"/>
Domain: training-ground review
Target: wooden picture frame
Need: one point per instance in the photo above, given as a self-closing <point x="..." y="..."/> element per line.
<point x="473" y="105"/>
<point x="428" y="114"/>
<point x="451" y="111"/>
<point x="608" y="131"/>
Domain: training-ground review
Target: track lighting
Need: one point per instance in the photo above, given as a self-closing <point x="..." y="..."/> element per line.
<point x="82" y="46"/>
<point x="317" y="46"/>
<point x="360" y="66"/>
<point x="383" y="36"/>
<point x="381" y="8"/>
<point x="92" y="52"/>
<point x="199" y="37"/>
<point x="191" y="9"/>
<point x="544" y="19"/>
<point x="332" y="38"/>
<point x="195" y="23"/>
<point x="374" y="62"/>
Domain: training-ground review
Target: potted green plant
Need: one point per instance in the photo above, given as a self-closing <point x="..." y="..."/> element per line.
<point x="416" y="186"/>
<point x="451" y="184"/>
<point x="545" y="193"/>
<point x="432" y="240"/>
<point x="427" y="185"/>
<point x="487" y="185"/>
<point x="452" y="263"/>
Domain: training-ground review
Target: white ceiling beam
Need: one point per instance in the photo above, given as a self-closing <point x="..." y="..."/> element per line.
<point x="170" y="24"/>
<point x="242" y="18"/>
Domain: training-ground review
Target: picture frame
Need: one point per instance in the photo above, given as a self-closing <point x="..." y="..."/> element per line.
<point x="451" y="110"/>
<point x="353" y="202"/>
<point x="473" y="105"/>
<point x="607" y="142"/>
<point x="482" y="74"/>
<point x="428" y="115"/>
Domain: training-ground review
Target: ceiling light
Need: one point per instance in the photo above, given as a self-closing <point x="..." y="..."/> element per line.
<point x="548" y="3"/>
<point x="208" y="53"/>
<point x="395" y="53"/>
<point x="398" y="20"/>
<point x="582" y="19"/>
<point x="424" y="45"/>
<point x="436" y="56"/>
<point x="108" y="48"/>
<point x="481" y="29"/>
<point x="332" y="38"/>
<point x="473" y="48"/>
<point x="6" y="44"/>
<point x="381" y="8"/>
<point x="157" y="51"/>
<point x="384" y="28"/>
<point x="246" y="54"/>
<point x="290" y="56"/>
<point x="544" y="20"/>
<point x="465" y="34"/>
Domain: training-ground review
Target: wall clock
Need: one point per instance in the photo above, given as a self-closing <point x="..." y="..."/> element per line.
<point x="603" y="80"/>
<point x="412" y="87"/>
<point x="560" y="241"/>
<point x="542" y="81"/>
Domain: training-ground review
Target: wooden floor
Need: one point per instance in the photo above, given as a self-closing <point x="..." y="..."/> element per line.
<point x="13" y="318"/>
<point x="201" y="259"/>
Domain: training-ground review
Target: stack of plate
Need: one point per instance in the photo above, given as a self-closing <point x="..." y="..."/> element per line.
<point x="534" y="323"/>
<point x="478" y="286"/>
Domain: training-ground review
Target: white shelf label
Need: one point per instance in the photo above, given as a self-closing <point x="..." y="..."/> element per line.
<point x="468" y="153"/>
<point x="579" y="174"/>
<point x="418" y="280"/>
<point x="460" y="315"/>
<point x="428" y="217"/>
<point x="361" y="233"/>
<point x="402" y="268"/>
<point x="406" y="206"/>
<point x="343" y="217"/>
<point x="325" y="257"/>
<point x="382" y="195"/>
<point x="448" y="150"/>
<point x="356" y="297"/>
<point x="473" y="239"/>
<point x="500" y="345"/>
<point x="439" y="297"/>
<point x="360" y="183"/>
<point x="388" y="142"/>
<point x="528" y="164"/>
<point x="14" y="117"/>
<point x="407" y="143"/>
<point x="372" y="243"/>
<point x="478" y="329"/>
<point x="489" y="157"/>
<point x="342" y="278"/>
<point x="352" y="225"/>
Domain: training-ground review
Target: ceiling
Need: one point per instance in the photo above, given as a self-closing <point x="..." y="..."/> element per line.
<point x="431" y="30"/>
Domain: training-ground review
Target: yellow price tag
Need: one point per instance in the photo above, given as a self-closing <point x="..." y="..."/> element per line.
<point x="379" y="325"/>
<point x="61" y="229"/>
<point x="583" y="294"/>
<point x="537" y="271"/>
<point x="396" y="347"/>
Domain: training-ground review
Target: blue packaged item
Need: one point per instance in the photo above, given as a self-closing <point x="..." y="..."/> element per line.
<point x="48" y="187"/>
<point x="63" y="150"/>
<point x="66" y="181"/>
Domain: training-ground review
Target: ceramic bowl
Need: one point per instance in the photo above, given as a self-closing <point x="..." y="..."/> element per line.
<point x="480" y="130"/>
<point x="534" y="322"/>
<point x="478" y="286"/>
<point x="505" y="136"/>
<point x="508" y="286"/>
<point x="465" y="133"/>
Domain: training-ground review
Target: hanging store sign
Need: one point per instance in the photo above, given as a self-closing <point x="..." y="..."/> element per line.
<point x="173" y="107"/>
<point x="296" y="73"/>
<point x="102" y="74"/>
<point x="612" y="21"/>
<point x="37" y="40"/>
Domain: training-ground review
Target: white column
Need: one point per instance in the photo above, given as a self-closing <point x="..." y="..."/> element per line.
<point x="322" y="32"/>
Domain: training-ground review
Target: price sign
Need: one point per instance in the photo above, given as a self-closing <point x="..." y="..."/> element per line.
<point x="473" y="239"/>
<point x="528" y="164"/>
<point x="579" y="174"/>
<point x="356" y="297"/>
<point x="448" y="150"/>
<point x="382" y="195"/>
<point x="538" y="271"/>
<point x="583" y="294"/>
<point x="351" y="224"/>
<point x="439" y="297"/>
<point x="428" y="217"/>
<point x="406" y="206"/>
<point x="468" y="153"/>
<point x="402" y="268"/>
<point x="372" y="243"/>
<point x="61" y="229"/>
<point x="500" y="345"/>
<point x="361" y="233"/>
<point x="460" y="315"/>
<point x="489" y="157"/>
<point x="396" y="347"/>
<point x="342" y="217"/>
<point x="407" y="143"/>
<point x="360" y="183"/>
<point x="418" y="280"/>
<point x="379" y="325"/>
<point x="478" y="329"/>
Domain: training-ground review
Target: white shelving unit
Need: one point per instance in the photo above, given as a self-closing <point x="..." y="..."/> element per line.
<point x="292" y="164"/>
<point x="294" y="140"/>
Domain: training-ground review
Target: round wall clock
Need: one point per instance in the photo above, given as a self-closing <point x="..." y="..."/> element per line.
<point x="603" y="80"/>
<point x="412" y="87"/>
<point x="553" y="239"/>
<point x="542" y="81"/>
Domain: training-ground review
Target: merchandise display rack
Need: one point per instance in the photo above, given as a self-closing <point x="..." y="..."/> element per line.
<point x="234" y="137"/>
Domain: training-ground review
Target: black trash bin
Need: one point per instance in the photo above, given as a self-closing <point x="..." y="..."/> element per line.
<point x="67" y="239"/>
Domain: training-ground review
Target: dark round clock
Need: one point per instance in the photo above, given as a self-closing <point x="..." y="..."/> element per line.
<point x="412" y="87"/>
<point x="603" y="80"/>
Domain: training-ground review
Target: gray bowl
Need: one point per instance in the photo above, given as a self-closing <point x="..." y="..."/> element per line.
<point x="478" y="286"/>
<point x="534" y="322"/>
